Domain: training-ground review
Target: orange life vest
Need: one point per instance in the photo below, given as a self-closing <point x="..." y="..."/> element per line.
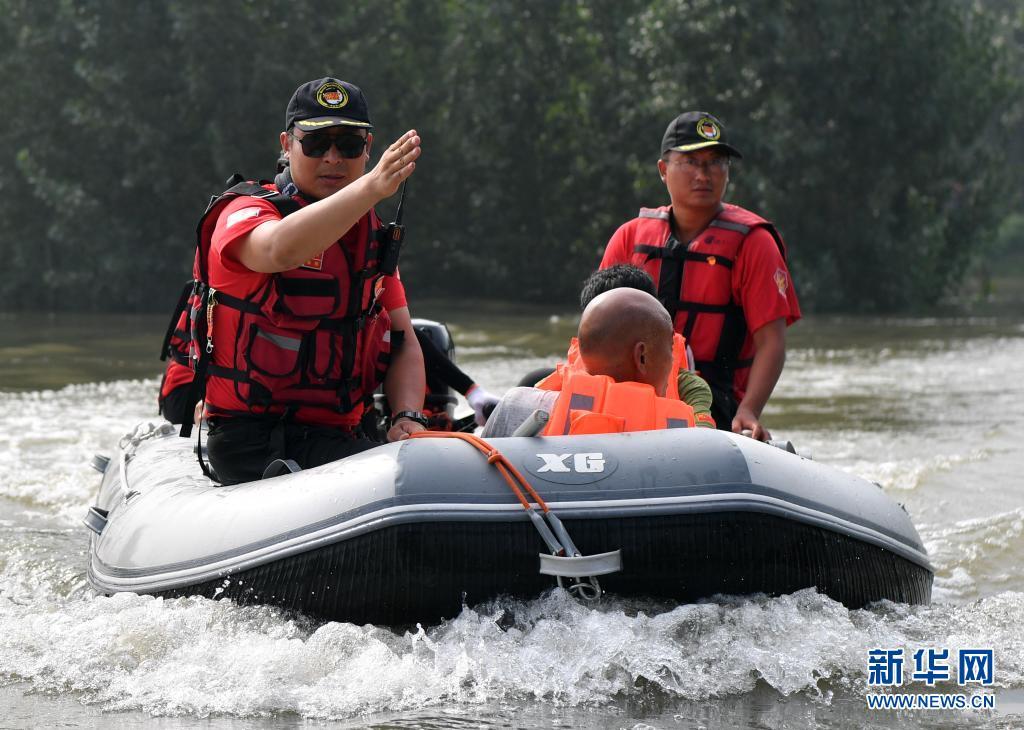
<point x="695" y="283"/>
<point x="597" y="404"/>
<point x="574" y="364"/>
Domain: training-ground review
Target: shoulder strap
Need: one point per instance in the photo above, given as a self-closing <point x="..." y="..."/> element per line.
<point x="770" y="227"/>
<point x="658" y="213"/>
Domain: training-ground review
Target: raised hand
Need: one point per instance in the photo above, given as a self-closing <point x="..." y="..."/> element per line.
<point x="396" y="164"/>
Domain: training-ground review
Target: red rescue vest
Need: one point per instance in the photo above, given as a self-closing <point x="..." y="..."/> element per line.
<point x="574" y="364"/>
<point x="597" y="404"/>
<point x="176" y="375"/>
<point x="695" y="284"/>
<point x="310" y="338"/>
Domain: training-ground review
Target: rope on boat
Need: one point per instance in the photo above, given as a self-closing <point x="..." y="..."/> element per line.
<point x="516" y="482"/>
<point x="568" y="561"/>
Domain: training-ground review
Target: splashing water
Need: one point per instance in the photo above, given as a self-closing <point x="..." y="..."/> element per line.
<point x="736" y="661"/>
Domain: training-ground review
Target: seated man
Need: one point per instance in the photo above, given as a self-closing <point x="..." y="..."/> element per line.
<point x="300" y="314"/>
<point x="625" y="339"/>
<point x="686" y="385"/>
<point x="614" y="277"/>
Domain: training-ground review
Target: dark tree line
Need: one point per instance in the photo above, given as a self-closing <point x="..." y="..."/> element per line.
<point x="883" y="138"/>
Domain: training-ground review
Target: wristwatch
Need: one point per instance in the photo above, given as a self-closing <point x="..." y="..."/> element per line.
<point x="416" y="416"/>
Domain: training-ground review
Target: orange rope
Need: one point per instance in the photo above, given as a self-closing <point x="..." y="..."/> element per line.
<point x="498" y="459"/>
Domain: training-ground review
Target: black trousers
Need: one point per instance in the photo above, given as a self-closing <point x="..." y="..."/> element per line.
<point x="240" y="449"/>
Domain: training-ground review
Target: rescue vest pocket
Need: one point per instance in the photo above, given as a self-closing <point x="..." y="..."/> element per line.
<point x="275" y="354"/>
<point x="324" y="362"/>
<point x="311" y="295"/>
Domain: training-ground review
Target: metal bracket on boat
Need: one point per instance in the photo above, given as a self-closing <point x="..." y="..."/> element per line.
<point x="123" y="465"/>
<point x="96" y="519"/>
<point x="99" y="463"/>
<point x="581" y="571"/>
<point x="566" y="560"/>
<point x="280" y="466"/>
<point x="143" y="431"/>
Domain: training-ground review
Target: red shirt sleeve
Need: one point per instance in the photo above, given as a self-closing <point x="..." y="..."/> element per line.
<point x="619" y="249"/>
<point x="762" y="284"/>
<point x="236" y="221"/>
<point x="392" y="295"/>
<point x="239" y="218"/>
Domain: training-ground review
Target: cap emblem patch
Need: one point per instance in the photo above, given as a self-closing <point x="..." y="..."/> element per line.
<point x="332" y="95"/>
<point x="707" y="129"/>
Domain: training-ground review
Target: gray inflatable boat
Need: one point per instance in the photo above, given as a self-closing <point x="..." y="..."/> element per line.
<point x="412" y="531"/>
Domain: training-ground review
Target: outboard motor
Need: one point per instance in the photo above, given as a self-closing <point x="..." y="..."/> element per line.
<point x="440" y="400"/>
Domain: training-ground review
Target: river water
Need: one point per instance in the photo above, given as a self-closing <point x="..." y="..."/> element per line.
<point x="931" y="409"/>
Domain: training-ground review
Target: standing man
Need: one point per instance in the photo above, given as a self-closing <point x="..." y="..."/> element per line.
<point x="720" y="270"/>
<point x="302" y="319"/>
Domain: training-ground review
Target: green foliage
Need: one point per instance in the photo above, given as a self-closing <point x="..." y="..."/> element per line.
<point x="876" y="135"/>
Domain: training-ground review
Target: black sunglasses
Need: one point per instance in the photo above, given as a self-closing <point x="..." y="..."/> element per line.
<point x="349" y="146"/>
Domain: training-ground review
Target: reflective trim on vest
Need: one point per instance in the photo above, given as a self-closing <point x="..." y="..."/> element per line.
<point x="729" y="225"/>
<point x="286" y="343"/>
<point x="657" y="213"/>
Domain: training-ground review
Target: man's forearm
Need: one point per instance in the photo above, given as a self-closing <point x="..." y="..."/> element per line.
<point x="405" y="383"/>
<point x="309" y="231"/>
<point x="769" y="359"/>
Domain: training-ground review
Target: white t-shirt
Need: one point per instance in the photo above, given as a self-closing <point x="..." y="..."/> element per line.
<point x="515" y="407"/>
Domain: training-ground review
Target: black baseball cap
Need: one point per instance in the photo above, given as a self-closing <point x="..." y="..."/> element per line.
<point x="327" y="102"/>
<point x="696" y="131"/>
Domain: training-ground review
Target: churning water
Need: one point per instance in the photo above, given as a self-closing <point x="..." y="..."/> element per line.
<point x="933" y="410"/>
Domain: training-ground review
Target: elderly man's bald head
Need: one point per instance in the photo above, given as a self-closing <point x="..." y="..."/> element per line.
<point x="627" y="334"/>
